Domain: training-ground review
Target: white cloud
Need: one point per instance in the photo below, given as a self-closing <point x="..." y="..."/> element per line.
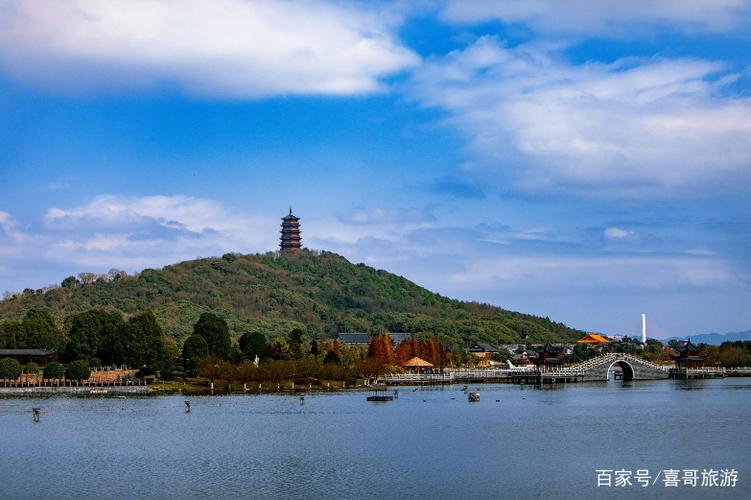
<point x="616" y="233"/>
<point x="592" y="272"/>
<point x="388" y="216"/>
<point x="9" y="227"/>
<point x="135" y="232"/>
<point x="631" y="127"/>
<point x="226" y="48"/>
<point x="605" y="17"/>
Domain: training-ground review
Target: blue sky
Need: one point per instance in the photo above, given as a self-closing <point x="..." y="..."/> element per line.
<point x="585" y="160"/>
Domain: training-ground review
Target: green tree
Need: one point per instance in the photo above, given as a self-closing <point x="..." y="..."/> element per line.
<point x="54" y="370"/>
<point x="97" y="334"/>
<point x="10" y="369"/>
<point x="215" y="332"/>
<point x="69" y="282"/>
<point x="253" y="344"/>
<point x="194" y="349"/>
<point x="41" y="331"/>
<point x="31" y="368"/>
<point x="295" y="342"/>
<point x="12" y="334"/>
<point x="78" y="370"/>
<point x="171" y="351"/>
<point x="143" y="337"/>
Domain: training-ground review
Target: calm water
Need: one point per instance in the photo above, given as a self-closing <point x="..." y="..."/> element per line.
<point x="533" y="444"/>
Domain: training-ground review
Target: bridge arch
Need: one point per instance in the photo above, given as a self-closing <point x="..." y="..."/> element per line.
<point x="625" y="366"/>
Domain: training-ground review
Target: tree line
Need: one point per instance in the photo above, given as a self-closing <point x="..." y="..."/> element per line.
<point x="98" y="337"/>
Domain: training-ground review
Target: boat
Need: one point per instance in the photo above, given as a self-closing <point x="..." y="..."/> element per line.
<point x="474" y="397"/>
<point x="380" y="397"/>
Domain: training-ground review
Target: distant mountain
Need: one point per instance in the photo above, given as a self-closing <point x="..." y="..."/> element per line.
<point x="320" y="292"/>
<point x="716" y="338"/>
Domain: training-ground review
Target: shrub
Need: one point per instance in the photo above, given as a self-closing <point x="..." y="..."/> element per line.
<point x="78" y="370"/>
<point x="31" y="368"/>
<point x="10" y="369"/>
<point x="54" y="370"/>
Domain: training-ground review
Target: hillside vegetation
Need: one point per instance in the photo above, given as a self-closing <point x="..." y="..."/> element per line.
<point x="321" y="293"/>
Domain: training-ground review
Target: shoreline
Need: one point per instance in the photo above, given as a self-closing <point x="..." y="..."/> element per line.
<point x="172" y="389"/>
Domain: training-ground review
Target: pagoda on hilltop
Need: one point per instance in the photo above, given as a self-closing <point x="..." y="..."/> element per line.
<point x="291" y="239"/>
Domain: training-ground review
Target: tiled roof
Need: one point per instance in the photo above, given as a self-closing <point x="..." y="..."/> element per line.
<point x="398" y="338"/>
<point x="355" y="338"/>
<point x="24" y="352"/>
<point x="483" y="347"/>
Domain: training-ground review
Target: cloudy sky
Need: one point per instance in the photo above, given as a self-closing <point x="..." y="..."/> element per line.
<point x="585" y="160"/>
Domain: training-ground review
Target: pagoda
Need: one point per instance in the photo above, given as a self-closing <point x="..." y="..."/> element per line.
<point x="290" y="240"/>
<point x="688" y="357"/>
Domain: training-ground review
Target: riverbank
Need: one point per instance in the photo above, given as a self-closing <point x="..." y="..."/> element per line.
<point x="42" y="391"/>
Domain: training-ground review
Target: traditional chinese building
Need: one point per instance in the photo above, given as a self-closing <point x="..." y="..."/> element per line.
<point x="688" y="357"/>
<point x="549" y="356"/>
<point x="593" y="338"/>
<point x="290" y="241"/>
<point x="483" y="350"/>
<point x="23" y="356"/>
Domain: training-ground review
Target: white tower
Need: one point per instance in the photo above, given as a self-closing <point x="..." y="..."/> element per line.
<point x="644" y="329"/>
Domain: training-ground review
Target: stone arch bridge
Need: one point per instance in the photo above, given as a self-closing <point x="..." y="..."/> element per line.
<point x="597" y="368"/>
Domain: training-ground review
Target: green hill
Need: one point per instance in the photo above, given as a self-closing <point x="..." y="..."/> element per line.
<point x="321" y="292"/>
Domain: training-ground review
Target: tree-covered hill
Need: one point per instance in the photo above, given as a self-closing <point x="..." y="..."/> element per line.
<point x="322" y="293"/>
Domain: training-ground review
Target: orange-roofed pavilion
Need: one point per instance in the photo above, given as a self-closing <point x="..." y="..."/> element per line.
<point x="593" y="338"/>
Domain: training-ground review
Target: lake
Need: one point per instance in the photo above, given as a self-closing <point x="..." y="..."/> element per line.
<point x="428" y="443"/>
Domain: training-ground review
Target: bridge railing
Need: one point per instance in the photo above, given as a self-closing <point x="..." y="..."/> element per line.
<point x="610" y="357"/>
<point x="417" y="377"/>
<point x="478" y="373"/>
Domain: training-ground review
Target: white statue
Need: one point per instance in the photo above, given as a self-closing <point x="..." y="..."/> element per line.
<point x="256" y="361"/>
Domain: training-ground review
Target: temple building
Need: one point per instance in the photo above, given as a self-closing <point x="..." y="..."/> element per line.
<point x="291" y="241"/>
<point x="549" y="356"/>
<point x="688" y="357"/>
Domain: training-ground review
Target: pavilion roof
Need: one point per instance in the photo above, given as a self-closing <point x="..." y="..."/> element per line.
<point x="593" y="338"/>
<point x="418" y="363"/>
